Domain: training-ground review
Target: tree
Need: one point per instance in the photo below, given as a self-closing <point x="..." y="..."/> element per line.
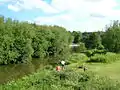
<point x="111" y="38"/>
<point x="77" y="36"/>
<point x="92" y="40"/>
<point x="20" y="41"/>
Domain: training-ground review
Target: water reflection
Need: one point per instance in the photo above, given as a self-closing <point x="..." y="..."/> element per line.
<point x="15" y="71"/>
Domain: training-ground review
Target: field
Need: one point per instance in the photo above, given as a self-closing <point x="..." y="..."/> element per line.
<point x="111" y="70"/>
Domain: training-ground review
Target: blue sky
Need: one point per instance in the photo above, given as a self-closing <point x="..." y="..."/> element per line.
<point x="79" y="15"/>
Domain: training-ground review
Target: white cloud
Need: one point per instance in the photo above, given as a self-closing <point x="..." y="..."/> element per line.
<point x="33" y="4"/>
<point x="79" y="6"/>
<point x="83" y="15"/>
<point x="72" y="23"/>
<point x="4" y="1"/>
<point x="14" y="8"/>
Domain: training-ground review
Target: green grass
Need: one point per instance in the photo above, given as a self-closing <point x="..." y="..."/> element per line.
<point x="111" y="70"/>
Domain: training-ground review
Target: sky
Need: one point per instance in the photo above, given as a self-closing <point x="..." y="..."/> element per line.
<point x="74" y="15"/>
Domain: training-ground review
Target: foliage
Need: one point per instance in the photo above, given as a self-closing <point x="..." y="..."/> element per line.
<point x="60" y="43"/>
<point x="92" y="52"/>
<point x="92" y="40"/>
<point x="98" y="58"/>
<point x="77" y="36"/>
<point x="65" y="80"/>
<point x="80" y="48"/>
<point x="42" y="41"/>
<point x="15" y="43"/>
<point x="111" y="38"/>
<point x="77" y="57"/>
<point x="105" y="58"/>
<point x="20" y="41"/>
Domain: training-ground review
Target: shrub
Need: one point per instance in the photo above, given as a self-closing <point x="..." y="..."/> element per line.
<point x="92" y="52"/>
<point x="65" y="80"/>
<point x="77" y="57"/>
<point x="107" y="58"/>
<point x="98" y="58"/>
<point x="89" y="53"/>
<point x="49" y="67"/>
<point x="80" y="48"/>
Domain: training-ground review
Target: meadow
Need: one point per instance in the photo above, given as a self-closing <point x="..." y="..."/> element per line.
<point x="110" y="69"/>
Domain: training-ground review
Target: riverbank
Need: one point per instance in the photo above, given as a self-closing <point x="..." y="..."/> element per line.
<point x="98" y="76"/>
<point x="17" y="71"/>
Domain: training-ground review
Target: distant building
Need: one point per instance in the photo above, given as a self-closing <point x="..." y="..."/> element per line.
<point x="74" y="45"/>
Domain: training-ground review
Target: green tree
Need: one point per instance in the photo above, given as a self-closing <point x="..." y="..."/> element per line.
<point x="77" y="36"/>
<point x="20" y="41"/>
<point x="111" y="38"/>
<point x="92" y="40"/>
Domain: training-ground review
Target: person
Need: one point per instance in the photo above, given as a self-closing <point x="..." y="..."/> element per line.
<point x="58" y="68"/>
<point x="63" y="64"/>
<point x="84" y="68"/>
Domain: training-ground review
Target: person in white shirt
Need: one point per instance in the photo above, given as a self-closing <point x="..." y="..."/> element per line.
<point x="63" y="64"/>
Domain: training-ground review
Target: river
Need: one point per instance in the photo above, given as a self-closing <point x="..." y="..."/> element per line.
<point x="15" y="71"/>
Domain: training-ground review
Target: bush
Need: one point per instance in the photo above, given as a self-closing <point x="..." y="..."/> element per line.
<point x="49" y="67"/>
<point x="107" y="58"/>
<point x="98" y="58"/>
<point x="77" y="57"/>
<point x="80" y="48"/>
<point x="92" y="52"/>
<point x="65" y="80"/>
<point x="89" y="53"/>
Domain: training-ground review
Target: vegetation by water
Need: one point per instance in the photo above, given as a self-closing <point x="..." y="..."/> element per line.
<point x="16" y="71"/>
<point x="72" y="78"/>
<point x="66" y="80"/>
<point x="20" y="41"/>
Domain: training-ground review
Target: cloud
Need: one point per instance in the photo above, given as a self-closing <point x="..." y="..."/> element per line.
<point x="83" y="15"/>
<point x="32" y="4"/>
<point x="14" y="8"/>
<point x="71" y="23"/>
<point x="97" y="15"/>
<point x="4" y="1"/>
<point x="92" y="0"/>
<point x="79" y="6"/>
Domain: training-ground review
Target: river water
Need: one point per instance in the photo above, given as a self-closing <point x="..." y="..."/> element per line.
<point x="15" y="71"/>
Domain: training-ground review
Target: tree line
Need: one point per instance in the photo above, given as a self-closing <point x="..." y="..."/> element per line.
<point x="22" y="41"/>
<point x="108" y="40"/>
